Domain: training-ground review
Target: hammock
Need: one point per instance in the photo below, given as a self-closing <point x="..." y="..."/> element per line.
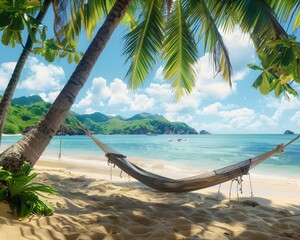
<point x="193" y="183"/>
<point x="185" y="184"/>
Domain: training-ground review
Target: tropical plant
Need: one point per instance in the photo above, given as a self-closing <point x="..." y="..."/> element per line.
<point x="14" y="15"/>
<point x="22" y="194"/>
<point x="280" y="58"/>
<point x="173" y="34"/>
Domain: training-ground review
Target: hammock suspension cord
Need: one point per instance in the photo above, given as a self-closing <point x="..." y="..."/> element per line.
<point x="250" y="184"/>
<point x="60" y="141"/>
<point x="232" y="172"/>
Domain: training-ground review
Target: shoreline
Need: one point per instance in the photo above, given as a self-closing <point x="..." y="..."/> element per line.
<point x="91" y="205"/>
<point x="281" y="190"/>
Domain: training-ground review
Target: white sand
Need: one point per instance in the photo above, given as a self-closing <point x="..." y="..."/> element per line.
<point x="92" y="206"/>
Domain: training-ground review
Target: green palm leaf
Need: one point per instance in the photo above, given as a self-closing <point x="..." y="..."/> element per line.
<point x="256" y="17"/>
<point x="297" y="19"/>
<point x="180" y="50"/>
<point x="286" y="11"/>
<point x="72" y="16"/>
<point x="202" y="19"/>
<point x="144" y="42"/>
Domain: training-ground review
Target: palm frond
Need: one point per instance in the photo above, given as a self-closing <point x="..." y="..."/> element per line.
<point x="180" y="50"/>
<point x="297" y="19"/>
<point x="203" y="20"/>
<point x="253" y="16"/>
<point x="72" y="16"/>
<point x="144" y="42"/>
<point x="129" y="18"/>
<point x="286" y="10"/>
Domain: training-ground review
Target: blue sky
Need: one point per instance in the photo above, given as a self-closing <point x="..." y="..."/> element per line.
<point x="212" y="105"/>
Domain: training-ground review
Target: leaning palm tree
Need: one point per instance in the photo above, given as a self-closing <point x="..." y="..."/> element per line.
<point x="13" y="82"/>
<point x="169" y="27"/>
<point x="22" y="9"/>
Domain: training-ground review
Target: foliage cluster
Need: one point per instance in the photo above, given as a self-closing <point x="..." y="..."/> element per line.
<point x="16" y="16"/>
<point x="22" y="194"/>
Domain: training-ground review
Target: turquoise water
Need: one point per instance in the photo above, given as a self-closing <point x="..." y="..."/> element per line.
<point x="205" y="151"/>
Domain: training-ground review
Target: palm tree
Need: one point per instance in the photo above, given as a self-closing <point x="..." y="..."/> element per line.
<point x="168" y="26"/>
<point x="12" y="84"/>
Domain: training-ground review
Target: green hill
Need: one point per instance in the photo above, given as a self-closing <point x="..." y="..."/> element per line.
<point x="25" y="112"/>
<point x="145" y="116"/>
<point x="27" y="100"/>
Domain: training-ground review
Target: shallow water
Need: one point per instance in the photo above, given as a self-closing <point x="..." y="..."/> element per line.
<point x="204" y="151"/>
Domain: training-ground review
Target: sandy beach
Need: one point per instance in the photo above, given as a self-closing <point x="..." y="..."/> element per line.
<point x="92" y="204"/>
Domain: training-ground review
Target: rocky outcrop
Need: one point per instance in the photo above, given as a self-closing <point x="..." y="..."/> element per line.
<point x="204" y="132"/>
<point x="288" y="132"/>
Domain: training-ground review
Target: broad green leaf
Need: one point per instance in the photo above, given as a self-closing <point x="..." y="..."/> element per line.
<point x="5" y="19"/>
<point x="278" y="90"/>
<point x="49" y="56"/>
<point x="264" y="87"/>
<point x="76" y="58"/>
<point x="257" y="82"/>
<point x="17" y="23"/>
<point x="254" y="67"/>
<point x="72" y="44"/>
<point x="23" y="194"/>
<point x="274" y="84"/>
<point x="43" y="35"/>
<point x="70" y="58"/>
<point x="291" y="90"/>
<point x="37" y="50"/>
<point x="63" y="54"/>
<point x="33" y="4"/>
<point x="6" y="36"/>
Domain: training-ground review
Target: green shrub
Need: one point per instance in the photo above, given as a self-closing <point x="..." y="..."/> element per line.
<point x="18" y="190"/>
<point x="25" y="118"/>
<point x="10" y="128"/>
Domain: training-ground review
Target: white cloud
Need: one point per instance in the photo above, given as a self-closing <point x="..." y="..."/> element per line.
<point x="141" y="102"/>
<point x="268" y="120"/>
<point x="281" y="105"/>
<point x="296" y="118"/>
<point x="240" y="47"/>
<point x="90" y="111"/>
<point x="42" y="77"/>
<point x="119" y="94"/>
<point x="211" y="109"/>
<point x="96" y="94"/>
<point x="237" y="113"/>
<point x="115" y="95"/>
<point x="159" y="76"/>
<point x="240" y="75"/>
<point x="6" y="70"/>
<point x="161" y="92"/>
<point x="241" y="53"/>
<point x="50" y="96"/>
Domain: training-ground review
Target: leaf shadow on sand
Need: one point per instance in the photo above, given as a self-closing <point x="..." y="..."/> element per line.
<point x="95" y="209"/>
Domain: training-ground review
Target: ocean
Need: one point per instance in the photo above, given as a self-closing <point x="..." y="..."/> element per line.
<point x="208" y="152"/>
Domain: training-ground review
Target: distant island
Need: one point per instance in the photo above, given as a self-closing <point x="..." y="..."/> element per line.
<point x="25" y="112"/>
<point x="204" y="132"/>
<point x="288" y="132"/>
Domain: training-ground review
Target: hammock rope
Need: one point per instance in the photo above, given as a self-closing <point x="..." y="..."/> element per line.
<point x="60" y="141"/>
<point x="233" y="172"/>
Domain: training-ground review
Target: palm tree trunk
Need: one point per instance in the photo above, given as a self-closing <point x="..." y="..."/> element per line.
<point x="12" y="84"/>
<point x="34" y="142"/>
